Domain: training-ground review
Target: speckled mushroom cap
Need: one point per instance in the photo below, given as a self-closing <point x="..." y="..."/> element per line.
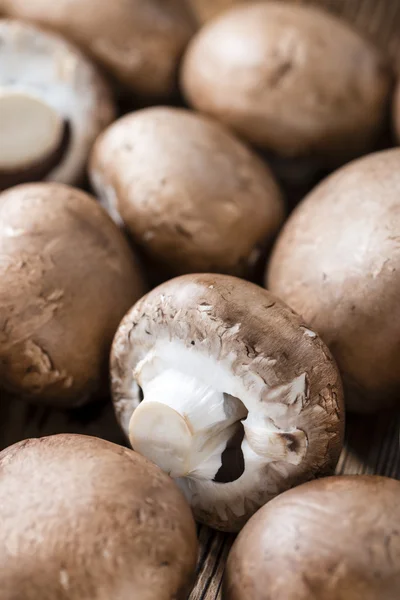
<point x="191" y="195"/>
<point x="294" y="80"/>
<point x="138" y="42"/>
<point x="85" y="519"/>
<point x="331" y="539"/>
<point x="53" y="104"/>
<point x="337" y="263"/>
<point x="67" y="277"/>
<point x="241" y="399"/>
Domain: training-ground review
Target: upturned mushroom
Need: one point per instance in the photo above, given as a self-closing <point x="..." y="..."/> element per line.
<point x="139" y="43"/>
<point x="85" y="519"/>
<point x="67" y="277"/>
<point x="53" y="105"/>
<point x="293" y="80"/>
<point x="332" y="539"/>
<point x="337" y="263"/>
<point x="228" y="391"/>
<point x="191" y="195"/>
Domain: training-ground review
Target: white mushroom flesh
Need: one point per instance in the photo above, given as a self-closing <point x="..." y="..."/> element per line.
<point x="30" y="129"/>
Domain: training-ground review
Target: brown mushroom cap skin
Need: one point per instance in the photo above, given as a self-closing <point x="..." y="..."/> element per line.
<point x="396" y="113"/>
<point x="245" y="327"/>
<point x="332" y="539"/>
<point x="138" y="43"/>
<point x="191" y="195"/>
<point x="67" y="278"/>
<point x="85" y="519"/>
<point x="337" y="263"/>
<point x="292" y="80"/>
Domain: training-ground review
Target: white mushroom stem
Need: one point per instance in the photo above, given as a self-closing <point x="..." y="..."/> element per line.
<point x="183" y="425"/>
<point x="274" y="444"/>
<point x="30" y="130"/>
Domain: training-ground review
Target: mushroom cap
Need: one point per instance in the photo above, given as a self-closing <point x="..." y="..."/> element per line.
<point x="138" y="43"/>
<point x="43" y="68"/>
<point x="293" y="80"/>
<point x="337" y="263"/>
<point x="86" y="519"/>
<point x="250" y="348"/>
<point x="336" y="538"/>
<point x="67" y="278"/>
<point x="191" y="195"/>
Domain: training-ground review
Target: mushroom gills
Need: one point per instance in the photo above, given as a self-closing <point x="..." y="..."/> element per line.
<point x="34" y="138"/>
<point x="188" y="428"/>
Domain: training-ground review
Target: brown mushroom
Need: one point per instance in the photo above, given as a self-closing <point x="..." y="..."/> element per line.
<point x="293" y="80"/>
<point x="332" y="539"/>
<point x="53" y="105"/>
<point x="85" y="519"/>
<point x="67" y="276"/>
<point x="227" y="390"/>
<point x="190" y="194"/>
<point x="138" y="42"/>
<point x="337" y="263"/>
<point x="396" y="112"/>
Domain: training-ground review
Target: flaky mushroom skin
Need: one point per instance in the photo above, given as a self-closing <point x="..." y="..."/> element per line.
<point x="67" y="278"/>
<point x="138" y="43"/>
<point x="337" y="263"/>
<point x="47" y="67"/>
<point x="85" y="519"/>
<point x="331" y="539"/>
<point x="291" y="79"/>
<point x="245" y="342"/>
<point x="191" y="195"/>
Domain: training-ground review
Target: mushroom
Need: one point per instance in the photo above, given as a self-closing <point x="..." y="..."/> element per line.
<point x="85" y="519"/>
<point x="67" y="277"/>
<point x="293" y="80"/>
<point x="228" y="391"/>
<point x="337" y="263"/>
<point x="138" y="43"/>
<point x="333" y="539"/>
<point x="53" y="104"/>
<point x="191" y="195"/>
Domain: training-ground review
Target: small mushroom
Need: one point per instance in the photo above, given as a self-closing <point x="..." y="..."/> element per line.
<point x="228" y="391"/>
<point x="337" y="263"/>
<point x="67" y="277"/>
<point x="293" y="80"/>
<point x="191" y="195"/>
<point x="85" y="519"/>
<point x="138" y="42"/>
<point x="332" y="539"/>
<point x="53" y="105"/>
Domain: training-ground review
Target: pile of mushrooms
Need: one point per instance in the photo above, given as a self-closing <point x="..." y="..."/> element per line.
<point x="230" y="379"/>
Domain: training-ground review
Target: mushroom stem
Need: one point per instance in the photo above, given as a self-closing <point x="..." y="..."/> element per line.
<point x="30" y="130"/>
<point x="183" y="424"/>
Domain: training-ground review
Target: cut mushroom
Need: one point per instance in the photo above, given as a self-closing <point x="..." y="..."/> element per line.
<point x="225" y="388"/>
<point x="85" y="519"/>
<point x="191" y="195"/>
<point x="53" y="104"/>
<point x="67" y="277"/>
<point x="331" y="539"/>
<point x="138" y="42"/>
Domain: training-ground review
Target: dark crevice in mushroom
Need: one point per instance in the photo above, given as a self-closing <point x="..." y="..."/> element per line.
<point x="232" y="459"/>
<point x="140" y="393"/>
<point x="39" y="169"/>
